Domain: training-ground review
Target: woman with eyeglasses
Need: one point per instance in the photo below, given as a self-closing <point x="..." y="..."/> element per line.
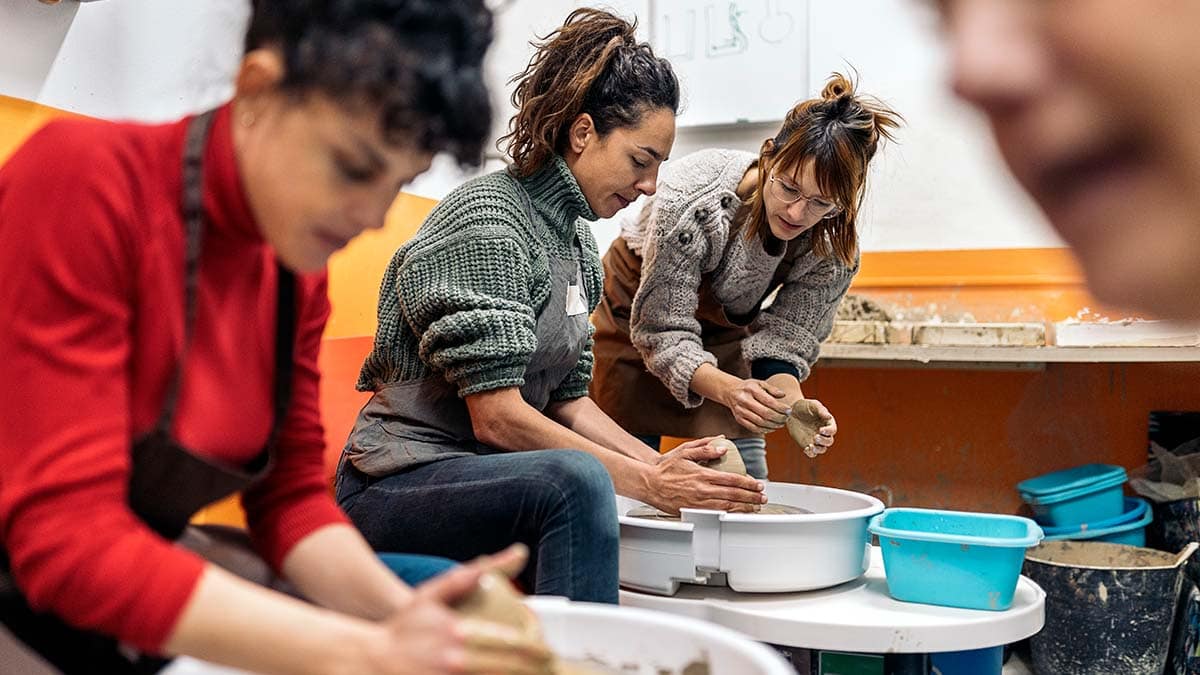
<point x="722" y="285"/>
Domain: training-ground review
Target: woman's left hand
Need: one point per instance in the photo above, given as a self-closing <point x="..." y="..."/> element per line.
<point x="825" y="433"/>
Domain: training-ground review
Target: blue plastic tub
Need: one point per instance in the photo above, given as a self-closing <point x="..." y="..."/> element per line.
<point x="1131" y="531"/>
<point x="1079" y="495"/>
<point x="1135" y="508"/>
<point x="953" y="558"/>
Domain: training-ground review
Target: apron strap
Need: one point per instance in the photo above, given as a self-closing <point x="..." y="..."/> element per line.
<point x="285" y="348"/>
<point x="193" y="220"/>
<point x="285" y="312"/>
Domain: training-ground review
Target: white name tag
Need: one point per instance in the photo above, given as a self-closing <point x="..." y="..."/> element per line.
<point x="576" y="302"/>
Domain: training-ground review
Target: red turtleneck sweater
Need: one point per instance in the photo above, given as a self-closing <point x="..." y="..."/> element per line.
<point x="91" y="325"/>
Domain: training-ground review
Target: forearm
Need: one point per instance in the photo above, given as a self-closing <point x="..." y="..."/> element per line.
<point x="585" y="418"/>
<point x="503" y="420"/>
<point x="713" y="383"/>
<point x="336" y="568"/>
<point x="234" y="622"/>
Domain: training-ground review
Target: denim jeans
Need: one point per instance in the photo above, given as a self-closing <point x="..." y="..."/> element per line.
<point x="753" y="449"/>
<point x="560" y="503"/>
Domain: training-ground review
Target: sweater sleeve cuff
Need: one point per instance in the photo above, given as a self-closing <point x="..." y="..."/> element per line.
<point x="569" y="393"/>
<point x="761" y="369"/>
<point x="679" y="376"/>
<point x="491" y="379"/>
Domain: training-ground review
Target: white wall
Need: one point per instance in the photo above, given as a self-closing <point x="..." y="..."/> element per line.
<point x="130" y="59"/>
<point x="942" y="187"/>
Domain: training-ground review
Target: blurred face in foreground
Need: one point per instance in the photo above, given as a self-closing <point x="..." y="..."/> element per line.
<point x="1093" y="104"/>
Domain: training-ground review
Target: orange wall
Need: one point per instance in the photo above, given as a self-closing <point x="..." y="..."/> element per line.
<point x="963" y="438"/>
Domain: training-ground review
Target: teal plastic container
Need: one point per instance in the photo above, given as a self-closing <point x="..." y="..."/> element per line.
<point x="953" y="558"/>
<point x="1078" y="495"/>
<point x="1129" y="529"/>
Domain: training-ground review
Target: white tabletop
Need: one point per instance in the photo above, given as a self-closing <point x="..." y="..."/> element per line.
<point x="856" y="616"/>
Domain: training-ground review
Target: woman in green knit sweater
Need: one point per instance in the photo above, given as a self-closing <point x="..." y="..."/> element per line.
<point x="483" y="353"/>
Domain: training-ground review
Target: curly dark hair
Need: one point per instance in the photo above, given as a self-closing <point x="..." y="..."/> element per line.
<point x="420" y="62"/>
<point x="592" y="64"/>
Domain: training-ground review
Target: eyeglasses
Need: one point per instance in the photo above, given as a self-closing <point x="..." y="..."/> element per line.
<point x="814" y="207"/>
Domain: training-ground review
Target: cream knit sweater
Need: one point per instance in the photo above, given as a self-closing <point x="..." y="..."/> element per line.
<point x="683" y="233"/>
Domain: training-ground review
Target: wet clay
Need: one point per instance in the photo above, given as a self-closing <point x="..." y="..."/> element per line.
<point x="595" y="666"/>
<point x="804" y="423"/>
<point x="730" y="462"/>
<point x="495" y="600"/>
<point x="1100" y="555"/>
<point x="651" y="513"/>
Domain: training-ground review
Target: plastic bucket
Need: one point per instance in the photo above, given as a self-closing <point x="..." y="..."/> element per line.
<point x="625" y="637"/>
<point x="953" y="558"/>
<point x="1109" y="608"/>
<point x="1129" y="529"/>
<point x="986" y="661"/>
<point x="1177" y="523"/>
<point x="1078" y="495"/>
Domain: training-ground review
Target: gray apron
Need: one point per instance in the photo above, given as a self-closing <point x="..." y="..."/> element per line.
<point x="414" y="422"/>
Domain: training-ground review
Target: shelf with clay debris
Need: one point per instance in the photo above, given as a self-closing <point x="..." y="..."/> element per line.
<point x="847" y="354"/>
<point x="866" y="333"/>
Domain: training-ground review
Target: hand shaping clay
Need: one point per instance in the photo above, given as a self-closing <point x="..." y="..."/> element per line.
<point x="495" y="600"/>
<point x="730" y="462"/>
<point x="804" y="423"/>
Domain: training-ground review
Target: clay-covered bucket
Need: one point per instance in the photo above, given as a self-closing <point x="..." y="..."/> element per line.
<point x="1110" y="608"/>
<point x="1175" y="524"/>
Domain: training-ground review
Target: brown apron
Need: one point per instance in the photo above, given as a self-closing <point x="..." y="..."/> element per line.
<point x="168" y="484"/>
<point x="631" y="394"/>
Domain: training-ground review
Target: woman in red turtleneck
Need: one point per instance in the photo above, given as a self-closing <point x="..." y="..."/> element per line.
<point x="163" y="300"/>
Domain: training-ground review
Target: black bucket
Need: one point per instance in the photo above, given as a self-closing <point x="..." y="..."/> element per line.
<point x="1175" y="524"/>
<point x="1110" y="608"/>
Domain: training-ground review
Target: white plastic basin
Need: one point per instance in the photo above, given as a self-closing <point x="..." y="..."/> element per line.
<point x="628" y="640"/>
<point x="756" y="553"/>
<point x="644" y="642"/>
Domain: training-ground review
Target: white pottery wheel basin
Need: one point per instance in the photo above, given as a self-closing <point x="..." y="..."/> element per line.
<point x="756" y="553"/>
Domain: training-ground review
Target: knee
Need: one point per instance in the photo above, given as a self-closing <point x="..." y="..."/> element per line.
<point x="582" y="483"/>
<point x="579" y="473"/>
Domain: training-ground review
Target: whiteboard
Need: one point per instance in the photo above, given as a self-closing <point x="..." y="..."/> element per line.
<point x="738" y="61"/>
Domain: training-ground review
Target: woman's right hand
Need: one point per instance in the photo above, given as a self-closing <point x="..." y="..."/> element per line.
<point x="678" y="480"/>
<point x="427" y="636"/>
<point x="759" y="406"/>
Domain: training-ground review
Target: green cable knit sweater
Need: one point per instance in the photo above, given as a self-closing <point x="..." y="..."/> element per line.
<point x="462" y="297"/>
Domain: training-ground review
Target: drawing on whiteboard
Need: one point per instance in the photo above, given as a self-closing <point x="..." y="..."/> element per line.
<point x="718" y="45"/>
<point x="679" y="35"/>
<point x="724" y="35"/>
<point x="737" y="60"/>
<point x="777" y="25"/>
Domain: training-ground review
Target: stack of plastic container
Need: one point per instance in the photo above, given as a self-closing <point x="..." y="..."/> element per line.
<point x="1087" y="502"/>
